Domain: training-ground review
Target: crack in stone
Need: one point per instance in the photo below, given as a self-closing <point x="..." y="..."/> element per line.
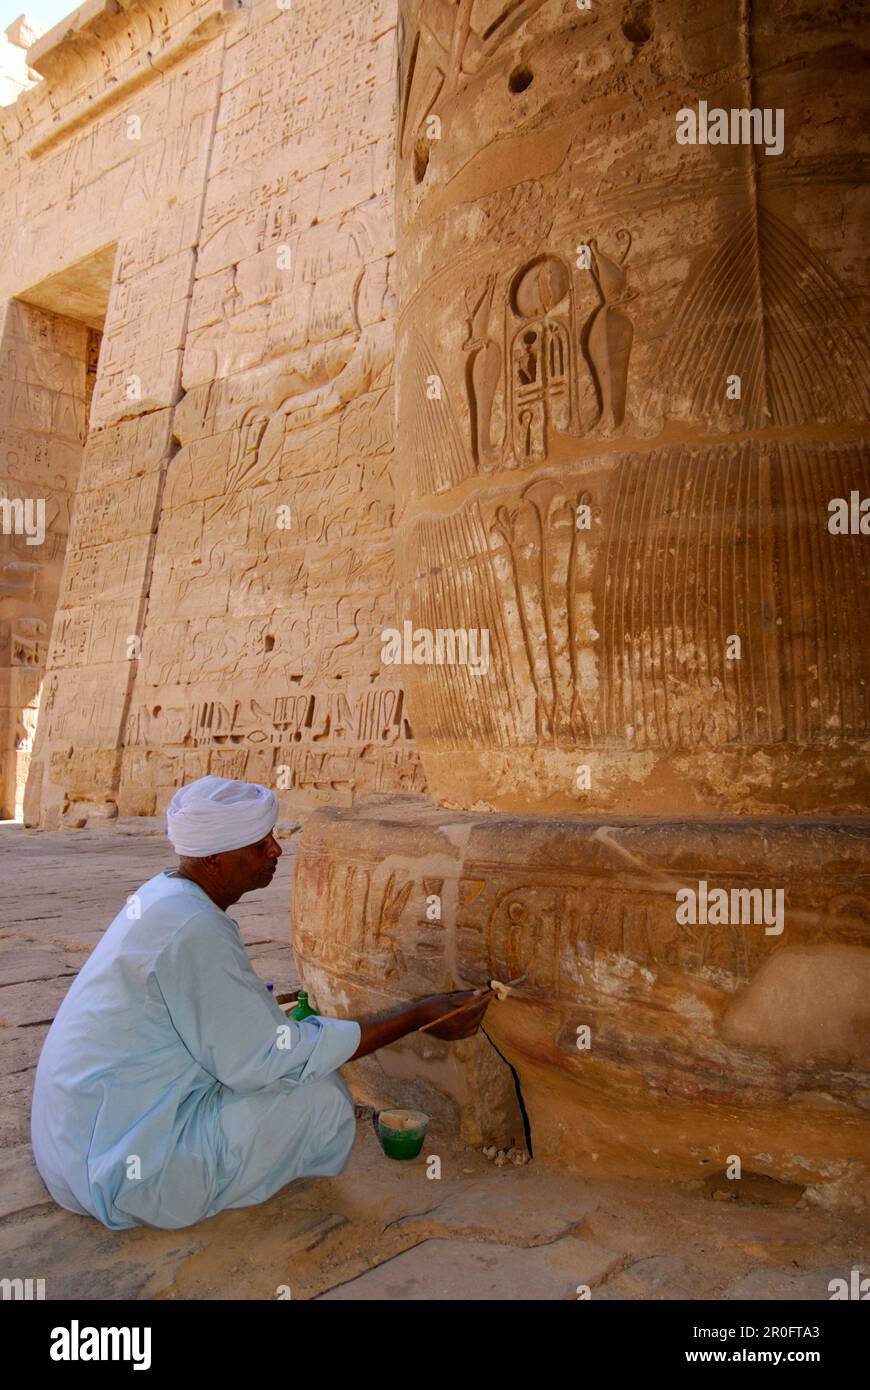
<point x="527" y="1126"/>
<point x="368" y="1269"/>
<point x="21" y="1214"/>
<point x="413" y="1216"/>
<point x="618" y="1267"/>
<point x="436" y="1231"/>
<point x="45" y="917"/>
<point x="41" y="980"/>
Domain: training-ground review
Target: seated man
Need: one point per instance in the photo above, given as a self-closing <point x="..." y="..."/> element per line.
<point x="171" y="1085"/>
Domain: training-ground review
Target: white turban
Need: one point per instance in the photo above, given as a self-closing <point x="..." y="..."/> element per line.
<point x="215" y="814"/>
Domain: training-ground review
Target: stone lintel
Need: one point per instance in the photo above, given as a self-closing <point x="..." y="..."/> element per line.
<point x="49" y="58"/>
<point x="87" y="23"/>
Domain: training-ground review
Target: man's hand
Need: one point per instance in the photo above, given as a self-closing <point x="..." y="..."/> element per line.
<point x="462" y="1025"/>
<point x="389" y="1027"/>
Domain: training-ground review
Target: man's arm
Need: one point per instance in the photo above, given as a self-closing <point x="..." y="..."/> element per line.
<point x="407" y="1018"/>
<point x="228" y="1021"/>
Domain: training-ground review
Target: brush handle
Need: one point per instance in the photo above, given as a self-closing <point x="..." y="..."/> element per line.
<point x="444" y="1017"/>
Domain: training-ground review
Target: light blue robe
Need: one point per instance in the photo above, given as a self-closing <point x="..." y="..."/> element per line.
<point x="169" y="1049"/>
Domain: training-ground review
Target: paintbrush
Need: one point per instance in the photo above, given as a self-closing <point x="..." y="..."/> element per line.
<point x="469" y="1004"/>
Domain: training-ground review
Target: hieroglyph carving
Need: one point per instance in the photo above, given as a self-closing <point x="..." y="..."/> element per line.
<point x="566" y="356"/>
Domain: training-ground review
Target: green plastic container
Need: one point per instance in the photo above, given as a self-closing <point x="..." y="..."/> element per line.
<point x="402" y="1132"/>
<point x="303" y="1008"/>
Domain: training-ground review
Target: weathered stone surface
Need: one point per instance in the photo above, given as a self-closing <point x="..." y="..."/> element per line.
<point x="480" y="1270"/>
<point x="31" y="1003"/>
<point x="19" y="1052"/>
<point x="688" y="1059"/>
<point x="21" y="1187"/>
<point x="234" y="514"/>
<point x="659" y="1277"/>
<point x="583" y="485"/>
<point x="788" y="1286"/>
<point x="530" y="1207"/>
<point x="21" y="964"/>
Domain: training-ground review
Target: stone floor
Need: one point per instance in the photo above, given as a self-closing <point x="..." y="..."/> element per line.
<point x="382" y="1230"/>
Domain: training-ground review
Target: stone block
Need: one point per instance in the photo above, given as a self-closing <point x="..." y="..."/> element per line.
<point x="645" y="1037"/>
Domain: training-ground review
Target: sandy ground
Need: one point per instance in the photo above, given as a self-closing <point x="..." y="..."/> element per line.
<point x="382" y="1230"/>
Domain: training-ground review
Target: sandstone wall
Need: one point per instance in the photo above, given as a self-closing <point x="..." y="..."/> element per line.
<point x="273" y="567"/>
<point x="230" y="564"/>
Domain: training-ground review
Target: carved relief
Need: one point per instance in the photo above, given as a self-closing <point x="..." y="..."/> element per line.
<point x="689" y="633"/>
<point x="245" y="467"/>
<point x="609" y="335"/>
<point x="541" y="331"/>
<point x="450" y="41"/>
<point x="619" y="635"/>
<point x="439" y="459"/>
<point x="564" y="377"/>
<point x="535" y="556"/>
<point x="366" y="908"/>
<point x="599" y="945"/>
<point x="483" y="370"/>
<point x="764" y="304"/>
<point x="252" y="303"/>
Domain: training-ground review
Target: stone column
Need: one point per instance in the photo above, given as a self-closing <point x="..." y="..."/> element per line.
<point x="632" y="377"/>
<point x="634" y="581"/>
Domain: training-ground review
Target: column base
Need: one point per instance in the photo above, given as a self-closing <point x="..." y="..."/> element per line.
<point x="645" y="1043"/>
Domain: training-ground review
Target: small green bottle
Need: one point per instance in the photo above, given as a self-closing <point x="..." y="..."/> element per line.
<point x="303" y="1009"/>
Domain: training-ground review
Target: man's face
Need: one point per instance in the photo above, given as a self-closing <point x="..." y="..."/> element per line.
<point x="244" y="870"/>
